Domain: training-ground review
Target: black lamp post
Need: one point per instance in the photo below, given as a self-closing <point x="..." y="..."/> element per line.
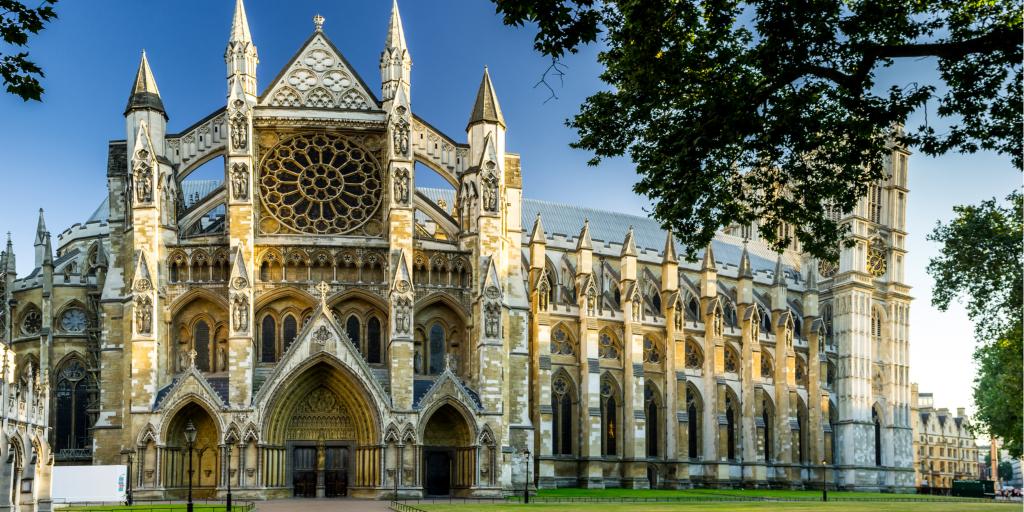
<point x="228" y="507"/>
<point x="190" y="439"/>
<point x="128" y="493"/>
<point x="526" y="481"/>
<point x="824" y="480"/>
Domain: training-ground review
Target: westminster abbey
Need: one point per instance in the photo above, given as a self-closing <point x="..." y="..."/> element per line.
<point x="330" y="328"/>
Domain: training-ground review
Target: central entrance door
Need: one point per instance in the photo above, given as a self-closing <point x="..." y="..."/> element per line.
<point x="439" y="472"/>
<point x="336" y="471"/>
<point x="304" y="471"/>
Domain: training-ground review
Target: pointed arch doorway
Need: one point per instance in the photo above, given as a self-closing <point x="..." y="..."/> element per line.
<point x="325" y="432"/>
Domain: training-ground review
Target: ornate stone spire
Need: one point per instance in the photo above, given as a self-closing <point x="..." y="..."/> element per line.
<point x="709" y="259"/>
<point x="47" y="250"/>
<point x="145" y="94"/>
<point x="537" y="235"/>
<point x="669" y="254"/>
<point x="11" y="267"/>
<point x="629" y="244"/>
<point x="745" y="270"/>
<point x="240" y="25"/>
<point x="41" y="229"/>
<point x="812" y="276"/>
<point x="396" y="34"/>
<point x="584" y="241"/>
<point x="486" y="109"/>
<point x="780" y="274"/>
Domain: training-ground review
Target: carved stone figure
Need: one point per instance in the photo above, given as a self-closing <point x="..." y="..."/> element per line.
<point x="240" y="180"/>
<point x="239" y="129"/>
<point x="222" y="358"/>
<point x="402" y="186"/>
<point x="143" y="315"/>
<point x="401" y="137"/>
<point x="403" y="309"/>
<point x="490" y="192"/>
<point x="492" y="322"/>
<point x="240" y="313"/>
<point x="143" y="181"/>
<point x="183" y="358"/>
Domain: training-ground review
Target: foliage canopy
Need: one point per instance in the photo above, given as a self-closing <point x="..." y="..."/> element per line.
<point x="17" y="22"/>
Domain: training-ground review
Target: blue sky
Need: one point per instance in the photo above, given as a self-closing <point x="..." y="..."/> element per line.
<point x="54" y="153"/>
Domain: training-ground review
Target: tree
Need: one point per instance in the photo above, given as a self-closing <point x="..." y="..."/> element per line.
<point x="768" y="110"/>
<point x="18" y="21"/>
<point x="1005" y="471"/>
<point x="982" y="263"/>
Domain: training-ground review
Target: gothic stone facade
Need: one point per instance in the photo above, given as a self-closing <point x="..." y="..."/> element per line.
<point x="330" y="328"/>
<point x="944" y="446"/>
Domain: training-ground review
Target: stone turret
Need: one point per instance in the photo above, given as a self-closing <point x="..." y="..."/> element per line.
<point x="145" y="105"/>
<point x="241" y="56"/>
<point x="40" y="240"/>
<point x="395" y="60"/>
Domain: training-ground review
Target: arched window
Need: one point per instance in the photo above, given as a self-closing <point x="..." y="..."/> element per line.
<point x="561" y="342"/>
<point x="289" y="330"/>
<point x="694" y="358"/>
<point x="876" y="333"/>
<point x="826" y="318"/>
<point x="73" y="393"/>
<point x="609" y="346"/>
<point x="732" y="364"/>
<point x="561" y="416"/>
<point x="651" y="410"/>
<point x="693" y="412"/>
<point x="268" y="339"/>
<point x="652" y="353"/>
<point x="201" y="344"/>
<point x="373" y="340"/>
<point x="437" y="347"/>
<point x="766" y="320"/>
<point x="609" y="418"/>
<point x="693" y="310"/>
<point x="878" y="436"/>
<point x="265" y="271"/>
<point x="766" y="417"/>
<point x="352" y="329"/>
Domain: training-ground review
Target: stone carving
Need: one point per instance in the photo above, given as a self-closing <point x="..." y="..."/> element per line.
<point x="240" y="180"/>
<point x="240" y="313"/>
<point x="143" y="315"/>
<point x="402" y="186"/>
<point x="322" y="335"/>
<point x="403" y="311"/>
<point x="183" y="358"/>
<point x="222" y="358"/>
<point x="489" y="184"/>
<point x="239" y="283"/>
<point x="492" y="320"/>
<point x="401" y="134"/>
<point x="143" y="179"/>
<point x="239" y="128"/>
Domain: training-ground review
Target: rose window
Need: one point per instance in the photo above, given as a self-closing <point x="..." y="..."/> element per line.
<point x="32" y="323"/>
<point x="73" y="320"/>
<point x="321" y="184"/>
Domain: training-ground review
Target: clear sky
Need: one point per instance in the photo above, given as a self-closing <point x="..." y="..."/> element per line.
<point x="54" y="153"/>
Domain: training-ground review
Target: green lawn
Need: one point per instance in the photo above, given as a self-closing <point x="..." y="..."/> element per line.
<point x="741" y="506"/>
<point x="740" y="493"/>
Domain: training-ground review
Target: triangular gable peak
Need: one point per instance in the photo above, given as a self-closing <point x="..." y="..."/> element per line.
<point x="190" y="385"/>
<point x="319" y="76"/>
<point x="322" y="339"/>
<point x="448" y="386"/>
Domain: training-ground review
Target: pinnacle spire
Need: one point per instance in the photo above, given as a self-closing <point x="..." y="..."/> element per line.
<point x="396" y="33"/>
<point x="780" y="275"/>
<point x="628" y="245"/>
<point x="812" y="278"/>
<point x="145" y="94"/>
<point x="669" y="254"/>
<point x="584" y="241"/>
<point x="240" y="25"/>
<point x="47" y="250"/>
<point x="537" y="235"/>
<point x="745" y="270"/>
<point x="709" y="259"/>
<point x="486" y="108"/>
<point x="41" y="229"/>
<point x="11" y="267"/>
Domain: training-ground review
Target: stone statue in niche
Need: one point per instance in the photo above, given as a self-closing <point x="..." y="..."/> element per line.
<point x="183" y="357"/>
<point x="637" y="303"/>
<point x="490" y="190"/>
<point x="143" y="181"/>
<point x="492" y="322"/>
<point x="240" y="313"/>
<point x="402" y="186"/>
<point x="403" y="309"/>
<point x="240" y="180"/>
<point x="239" y="128"/>
<point x="143" y="315"/>
<point x="222" y="358"/>
<point x="401" y="135"/>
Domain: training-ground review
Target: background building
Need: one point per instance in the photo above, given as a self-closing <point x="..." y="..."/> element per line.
<point x="944" y="447"/>
<point x="330" y="328"/>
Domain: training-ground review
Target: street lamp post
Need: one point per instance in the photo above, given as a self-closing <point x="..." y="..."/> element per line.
<point x="526" y="481"/>
<point x="190" y="439"/>
<point x="824" y="480"/>
<point x="128" y="492"/>
<point x="228" y="506"/>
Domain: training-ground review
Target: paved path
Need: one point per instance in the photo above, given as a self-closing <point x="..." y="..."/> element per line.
<point x="321" y="505"/>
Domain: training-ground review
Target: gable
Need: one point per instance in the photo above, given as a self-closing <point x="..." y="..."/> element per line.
<point x="318" y="76"/>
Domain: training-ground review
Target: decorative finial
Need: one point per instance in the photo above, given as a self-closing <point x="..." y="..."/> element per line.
<point x="318" y="22"/>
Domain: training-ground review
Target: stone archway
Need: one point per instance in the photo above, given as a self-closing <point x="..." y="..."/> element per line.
<point x="205" y="457"/>
<point x="323" y="435"/>
<point x="449" y="456"/>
